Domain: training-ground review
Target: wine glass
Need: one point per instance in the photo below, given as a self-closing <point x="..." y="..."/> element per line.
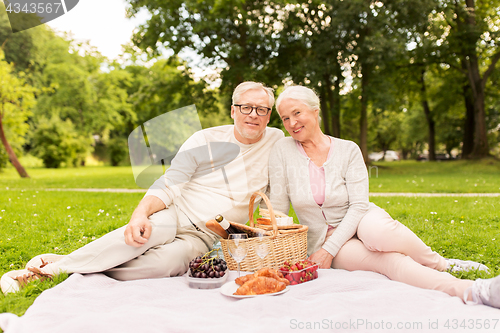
<point x="237" y="246"/>
<point x="261" y="248"/>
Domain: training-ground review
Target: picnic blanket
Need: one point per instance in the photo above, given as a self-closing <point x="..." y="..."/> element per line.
<point x="338" y="300"/>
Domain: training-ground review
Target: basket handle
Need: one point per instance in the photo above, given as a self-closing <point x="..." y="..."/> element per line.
<point x="269" y="207"/>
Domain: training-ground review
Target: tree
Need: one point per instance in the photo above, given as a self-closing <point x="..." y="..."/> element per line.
<point x="312" y="52"/>
<point x="95" y="102"/>
<point x="167" y="85"/>
<point x="56" y="141"/>
<point x="237" y="36"/>
<point x="411" y="138"/>
<point x="321" y="39"/>
<point x="474" y="38"/>
<point x="16" y="100"/>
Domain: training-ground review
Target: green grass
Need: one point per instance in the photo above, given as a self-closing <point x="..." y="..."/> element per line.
<point x="403" y="176"/>
<point x="436" y="177"/>
<point x="58" y="229"/>
<point x="85" y="177"/>
<point x="455" y="227"/>
<point x="35" y="222"/>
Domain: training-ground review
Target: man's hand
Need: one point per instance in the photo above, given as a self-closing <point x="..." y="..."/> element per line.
<point x="322" y="257"/>
<point x="138" y="230"/>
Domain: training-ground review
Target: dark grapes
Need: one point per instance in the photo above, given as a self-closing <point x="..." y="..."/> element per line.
<point x="207" y="267"/>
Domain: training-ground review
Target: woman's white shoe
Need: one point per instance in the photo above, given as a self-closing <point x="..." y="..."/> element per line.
<point x="485" y="292"/>
<point x="457" y="265"/>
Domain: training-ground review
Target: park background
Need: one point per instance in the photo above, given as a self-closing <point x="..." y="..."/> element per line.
<point x="416" y="77"/>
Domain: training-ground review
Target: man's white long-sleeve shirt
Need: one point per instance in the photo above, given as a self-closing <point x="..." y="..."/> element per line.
<point x="213" y="173"/>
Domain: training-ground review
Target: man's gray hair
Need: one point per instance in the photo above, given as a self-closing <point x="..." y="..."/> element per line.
<point x="249" y="85"/>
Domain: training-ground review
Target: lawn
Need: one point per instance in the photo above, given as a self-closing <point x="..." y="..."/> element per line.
<point x="402" y="176"/>
<point x="435" y="177"/>
<point x="35" y="221"/>
<point x="86" y="177"/>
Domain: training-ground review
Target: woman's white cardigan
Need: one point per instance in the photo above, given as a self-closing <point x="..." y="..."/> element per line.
<point x="346" y="191"/>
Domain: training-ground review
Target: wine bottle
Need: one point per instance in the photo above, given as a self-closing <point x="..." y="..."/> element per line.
<point x="226" y="225"/>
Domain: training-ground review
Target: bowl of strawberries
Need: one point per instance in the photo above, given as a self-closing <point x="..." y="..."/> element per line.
<point x="299" y="271"/>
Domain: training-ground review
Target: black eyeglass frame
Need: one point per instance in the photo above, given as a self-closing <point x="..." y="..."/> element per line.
<point x="253" y="108"/>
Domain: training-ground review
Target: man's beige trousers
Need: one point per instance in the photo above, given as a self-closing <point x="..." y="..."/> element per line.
<point x="167" y="253"/>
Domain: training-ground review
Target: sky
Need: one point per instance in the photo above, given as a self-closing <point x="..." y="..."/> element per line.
<point x="102" y="22"/>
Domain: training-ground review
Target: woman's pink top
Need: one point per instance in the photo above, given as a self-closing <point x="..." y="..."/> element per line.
<point x="316" y="175"/>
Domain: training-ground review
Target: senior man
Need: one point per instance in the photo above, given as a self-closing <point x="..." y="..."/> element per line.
<point x="167" y="229"/>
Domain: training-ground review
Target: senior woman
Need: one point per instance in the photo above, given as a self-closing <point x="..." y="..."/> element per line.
<point x="326" y="181"/>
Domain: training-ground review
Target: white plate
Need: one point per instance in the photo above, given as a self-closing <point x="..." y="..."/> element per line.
<point x="230" y="288"/>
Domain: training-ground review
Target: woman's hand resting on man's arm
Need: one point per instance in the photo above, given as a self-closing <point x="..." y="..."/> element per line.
<point x="322" y="257"/>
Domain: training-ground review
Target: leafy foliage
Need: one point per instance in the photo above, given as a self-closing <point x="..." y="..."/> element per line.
<point x="16" y="101"/>
<point x="57" y="142"/>
<point x="4" y="159"/>
<point x="235" y="35"/>
<point x="117" y="150"/>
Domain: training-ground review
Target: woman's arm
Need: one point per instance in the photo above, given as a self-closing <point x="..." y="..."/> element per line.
<point x="356" y="182"/>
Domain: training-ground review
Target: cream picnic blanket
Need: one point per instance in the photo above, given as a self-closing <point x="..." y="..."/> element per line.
<point x="337" y="301"/>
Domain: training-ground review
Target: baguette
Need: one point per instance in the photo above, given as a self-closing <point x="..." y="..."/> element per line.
<point x="263" y="221"/>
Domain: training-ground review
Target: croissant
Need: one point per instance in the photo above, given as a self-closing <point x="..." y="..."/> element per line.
<point x="260" y="285"/>
<point x="266" y="272"/>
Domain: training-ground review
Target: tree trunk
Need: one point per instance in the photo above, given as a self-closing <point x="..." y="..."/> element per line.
<point x="428" y="115"/>
<point x="363" y="119"/>
<point x="480" y="148"/>
<point x="365" y="82"/>
<point x="336" y="103"/>
<point x="334" y="112"/>
<point x="12" y="156"/>
<point x="324" y="108"/>
<point x="468" y="139"/>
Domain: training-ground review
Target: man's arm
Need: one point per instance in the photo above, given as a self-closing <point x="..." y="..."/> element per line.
<point x="169" y="186"/>
<point x="139" y="228"/>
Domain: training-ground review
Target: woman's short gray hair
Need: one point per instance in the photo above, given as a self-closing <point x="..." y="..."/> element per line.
<point x="250" y="85"/>
<point x="301" y="94"/>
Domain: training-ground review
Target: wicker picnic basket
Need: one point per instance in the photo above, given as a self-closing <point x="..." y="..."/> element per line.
<point x="285" y="243"/>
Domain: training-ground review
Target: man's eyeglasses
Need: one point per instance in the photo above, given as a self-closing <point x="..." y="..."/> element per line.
<point x="247" y="109"/>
